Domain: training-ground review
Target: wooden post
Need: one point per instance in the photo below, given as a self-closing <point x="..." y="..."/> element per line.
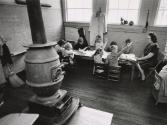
<point x="36" y="22"/>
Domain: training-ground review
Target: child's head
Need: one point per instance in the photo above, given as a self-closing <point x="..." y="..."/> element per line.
<point x="113" y="43"/>
<point x="99" y="51"/>
<point x="127" y="41"/>
<point x="68" y="46"/>
<point x="98" y="39"/>
<point x="61" y="43"/>
<point x="114" y="48"/>
<point x="80" y="40"/>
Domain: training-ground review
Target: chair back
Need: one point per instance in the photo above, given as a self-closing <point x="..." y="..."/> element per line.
<point x="99" y="69"/>
<point x="114" y="73"/>
<point x="161" y="56"/>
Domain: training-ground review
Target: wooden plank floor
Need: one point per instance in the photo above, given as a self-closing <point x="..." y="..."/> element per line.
<point x="130" y="102"/>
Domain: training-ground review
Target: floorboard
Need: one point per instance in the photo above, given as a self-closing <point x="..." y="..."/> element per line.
<point x="130" y="102"/>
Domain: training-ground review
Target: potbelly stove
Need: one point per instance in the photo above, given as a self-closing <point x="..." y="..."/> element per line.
<point x="44" y="74"/>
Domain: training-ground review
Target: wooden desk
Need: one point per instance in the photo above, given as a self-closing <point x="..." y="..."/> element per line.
<point x="121" y="61"/>
<point x="77" y="53"/>
<point x="89" y="116"/>
<point x="131" y="64"/>
<point x="89" y="54"/>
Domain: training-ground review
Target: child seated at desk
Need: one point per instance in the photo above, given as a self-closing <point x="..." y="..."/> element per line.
<point x="109" y="48"/>
<point x="80" y="44"/>
<point x="129" y="49"/>
<point x="98" y="56"/>
<point x="68" y="52"/>
<point x="112" y="58"/>
<point x="99" y="60"/>
<point x="98" y="42"/>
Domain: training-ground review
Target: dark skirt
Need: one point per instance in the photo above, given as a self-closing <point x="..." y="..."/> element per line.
<point x="146" y="64"/>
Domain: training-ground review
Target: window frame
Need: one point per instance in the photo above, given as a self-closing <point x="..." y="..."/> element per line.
<point x="66" y="13"/>
<point x="156" y="15"/>
<point x="139" y="12"/>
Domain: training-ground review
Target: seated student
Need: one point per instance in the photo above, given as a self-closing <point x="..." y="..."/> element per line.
<point x="98" y="56"/>
<point x="60" y="48"/>
<point x="80" y="44"/>
<point x="68" y="52"/>
<point x="98" y="42"/>
<point x="99" y="60"/>
<point x="112" y="58"/>
<point x="130" y="49"/>
<point x="109" y="48"/>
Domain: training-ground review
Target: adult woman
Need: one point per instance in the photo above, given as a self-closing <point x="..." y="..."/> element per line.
<point x="150" y="55"/>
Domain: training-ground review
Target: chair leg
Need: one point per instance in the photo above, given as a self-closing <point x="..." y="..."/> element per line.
<point x="149" y="74"/>
<point x="93" y="70"/>
<point x="156" y="103"/>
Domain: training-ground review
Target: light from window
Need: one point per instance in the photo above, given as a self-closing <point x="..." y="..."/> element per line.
<point x="78" y="10"/>
<point x="161" y="18"/>
<point x="127" y="9"/>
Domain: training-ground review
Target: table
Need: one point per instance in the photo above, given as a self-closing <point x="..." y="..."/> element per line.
<point x="129" y="59"/>
<point x="89" y="54"/>
<point x="130" y="63"/>
<point x="90" y="116"/>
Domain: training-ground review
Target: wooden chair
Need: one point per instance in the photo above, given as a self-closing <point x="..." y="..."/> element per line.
<point x="114" y="73"/>
<point x="99" y="70"/>
<point x="158" y="89"/>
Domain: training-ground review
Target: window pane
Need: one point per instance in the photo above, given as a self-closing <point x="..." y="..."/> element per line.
<point x="123" y="4"/>
<point x="134" y="4"/>
<point x="115" y="16"/>
<point x="127" y="9"/>
<point x="113" y="4"/>
<point x="161" y="18"/>
<point x="133" y="16"/>
<point x="81" y="15"/>
<point x="79" y="10"/>
<point x="79" y="3"/>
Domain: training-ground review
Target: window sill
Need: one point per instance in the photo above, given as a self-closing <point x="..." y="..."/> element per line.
<point x="125" y="28"/>
<point x="76" y="24"/>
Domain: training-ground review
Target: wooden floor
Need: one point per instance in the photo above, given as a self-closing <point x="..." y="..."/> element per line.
<point x="130" y="102"/>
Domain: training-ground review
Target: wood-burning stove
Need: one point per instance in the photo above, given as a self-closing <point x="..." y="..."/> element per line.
<point x="44" y="74"/>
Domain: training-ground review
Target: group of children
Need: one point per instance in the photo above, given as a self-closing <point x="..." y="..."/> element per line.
<point x="112" y="58"/>
<point x="65" y="50"/>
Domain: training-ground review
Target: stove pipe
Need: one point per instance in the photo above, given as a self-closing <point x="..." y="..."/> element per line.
<point x="36" y="21"/>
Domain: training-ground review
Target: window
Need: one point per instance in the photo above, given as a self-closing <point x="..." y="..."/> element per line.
<point x="78" y="10"/>
<point x="127" y="9"/>
<point x="161" y="18"/>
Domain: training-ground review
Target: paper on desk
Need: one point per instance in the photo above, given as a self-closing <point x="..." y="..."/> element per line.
<point x="89" y="53"/>
<point x="81" y="52"/>
<point x="18" y="119"/>
<point x="130" y="57"/>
